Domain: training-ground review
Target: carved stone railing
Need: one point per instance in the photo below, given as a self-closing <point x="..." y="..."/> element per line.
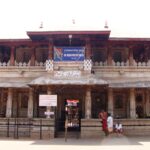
<point x="86" y="65"/>
<point x="120" y="63"/>
<point x="22" y="64"/>
<point x="100" y="63"/>
<point x="5" y="63"/>
<point x="40" y="63"/>
<point x="138" y="64"/>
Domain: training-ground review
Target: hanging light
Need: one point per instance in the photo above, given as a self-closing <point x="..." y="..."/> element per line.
<point x="70" y="38"/>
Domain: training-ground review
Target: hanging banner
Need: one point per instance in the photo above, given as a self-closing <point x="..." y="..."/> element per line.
<point x="69" y="53"/>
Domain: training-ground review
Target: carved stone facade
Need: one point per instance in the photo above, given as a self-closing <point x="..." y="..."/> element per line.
<point x="114" y="75"/>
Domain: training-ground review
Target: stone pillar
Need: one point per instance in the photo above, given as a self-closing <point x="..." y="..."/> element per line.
<point x="15" y="104"/>
<point x="109" y="54"/>
<point x="33" y="57"/>
<point x="131" y="60"/>
<point x="9" y="103"/>
<point x="88" y="103"/>
<point x="12" y="57"/>
<point x="48" y="108"/>
<point x="132" y="103"/>
<point x="50" y="49"/>
<point x="110" y="101"/>
<point x="88" y="49"/>
<point x="147" y="103"/>
<point x="30" y="104"/>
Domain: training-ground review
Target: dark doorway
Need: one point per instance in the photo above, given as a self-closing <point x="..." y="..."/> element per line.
<point x="99" y="103"/>
<point x="72" y="114"/>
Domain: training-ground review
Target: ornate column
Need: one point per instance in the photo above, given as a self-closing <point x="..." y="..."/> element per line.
<point x="9" y="103"/>
<point x="109" y="55"/>
<point x="48" y="108"/>
<point x="12" y="57"/>
<point x="147" y="103"/>
<point x="30" y="104"/>
<point x="110" y="101"/>
<point x="50" y="49"/>
<point x="131" y="60"/>
<point x="88" y="49"/>
<point x="88" y="103"/>
<point x="132" y="103"/>
<point x="33" y="56"/>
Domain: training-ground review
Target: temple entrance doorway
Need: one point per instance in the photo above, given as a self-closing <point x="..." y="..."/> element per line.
<point x="139" y="103"/>
<point x="70" y="106"/>
<point x="99" y="102"/>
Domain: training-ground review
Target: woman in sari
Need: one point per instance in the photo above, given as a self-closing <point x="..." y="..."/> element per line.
<point x="103" y="116"/>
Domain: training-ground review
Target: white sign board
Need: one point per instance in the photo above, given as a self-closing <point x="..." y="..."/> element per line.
<point x="48" y="100"/>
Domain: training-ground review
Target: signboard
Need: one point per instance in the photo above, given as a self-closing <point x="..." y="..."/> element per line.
<point x="69" y="53"/>
<point x="48" y="100"/>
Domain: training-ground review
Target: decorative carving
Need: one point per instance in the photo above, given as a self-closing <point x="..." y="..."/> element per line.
<point x="67" y="74"/>
<point x="49" y="65"/>
<point x="87" y="64"/>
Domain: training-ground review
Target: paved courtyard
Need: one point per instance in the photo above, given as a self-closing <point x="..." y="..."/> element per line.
<point x="107" y="143"/>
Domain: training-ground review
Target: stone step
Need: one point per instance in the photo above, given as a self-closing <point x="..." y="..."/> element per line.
<point x="70" y="134"/>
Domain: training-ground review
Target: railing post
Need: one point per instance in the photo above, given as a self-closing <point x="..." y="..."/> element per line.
<point x="8" y="127"/>
<point x="40" y="129"/>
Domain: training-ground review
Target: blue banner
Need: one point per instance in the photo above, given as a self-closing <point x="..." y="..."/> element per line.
<point x="69" y="53"/>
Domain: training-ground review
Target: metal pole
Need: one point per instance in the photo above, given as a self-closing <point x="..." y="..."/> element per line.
<point x="66" y="128"/>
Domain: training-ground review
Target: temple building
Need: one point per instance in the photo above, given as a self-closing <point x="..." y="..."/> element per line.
<point x="87" y="71"/>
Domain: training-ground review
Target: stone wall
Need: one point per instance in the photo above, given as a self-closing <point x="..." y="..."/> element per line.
<point x="27" y="128"/>
<point x="131" y="127"/>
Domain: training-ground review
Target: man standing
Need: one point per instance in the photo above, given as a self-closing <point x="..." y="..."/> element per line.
<point x="110" y="123"/>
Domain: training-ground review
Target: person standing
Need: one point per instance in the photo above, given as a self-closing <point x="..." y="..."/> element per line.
<point x="103" y="116"/>
<point x="110" y="123"/>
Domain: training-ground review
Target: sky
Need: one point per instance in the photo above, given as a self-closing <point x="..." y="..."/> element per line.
<point x="125" y="18"/>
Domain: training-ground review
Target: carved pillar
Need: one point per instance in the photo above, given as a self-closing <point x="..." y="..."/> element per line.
<point x="88" y="103"/>
<point x="50" y="49"/>
<point x="88" y="49"/>
<point x="132" y="103"/>
<point x="30" y="104"/>
<point x="131" y="60"/>
<point x="109" y="54"/>
<point x="147" y="103"/>
<point x="15" y="106"/>
<point x="48" y="108"/>
<point x="12" y="56"/>
<point x="33" y="56"/>
<point x="9" y="103"/>
<point x="110" y="101"/>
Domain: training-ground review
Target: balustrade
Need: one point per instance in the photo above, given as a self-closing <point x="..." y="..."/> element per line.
<point x="97" y="63"/>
